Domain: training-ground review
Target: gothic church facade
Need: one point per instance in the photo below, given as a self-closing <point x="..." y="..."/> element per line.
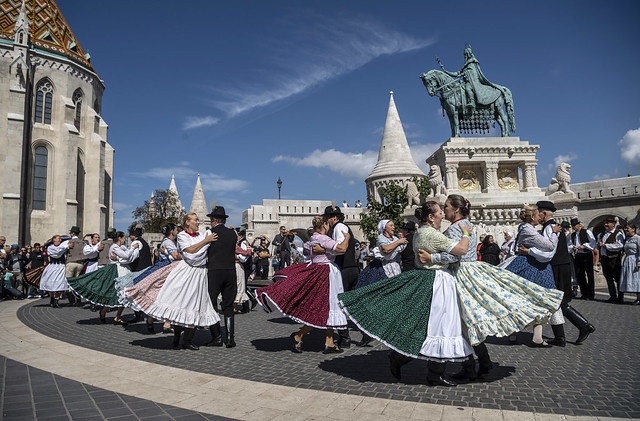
<point x="57" y="162"/>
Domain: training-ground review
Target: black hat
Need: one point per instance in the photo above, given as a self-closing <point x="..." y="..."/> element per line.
<point x="565" y="224"/>
<point x="546" y="205"/>
<point x="332" y="211"/>
<point x="241" y="230"/>
<point x="409" y="226"/>
<point x="218" y="212"/>
<point x="75" y="229"/>
<point x="574" y="222"/>
<point x="609" y="218"/>
<point x="137" y="231"/>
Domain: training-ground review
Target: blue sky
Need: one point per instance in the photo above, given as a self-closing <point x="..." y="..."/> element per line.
<point x="245" y="92"/>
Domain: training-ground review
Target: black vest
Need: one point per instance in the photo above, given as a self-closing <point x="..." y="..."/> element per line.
<point x="222" y="252"/>
<point x="407" y="256"/>
<point x="582" y="236"/>
<point x="144" y="259"/>
<point x="561" y="256"/>
<point x="348" y="259"/>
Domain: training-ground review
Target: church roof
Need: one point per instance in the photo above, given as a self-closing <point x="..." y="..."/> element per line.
<point x="48" y="29"/>
<point x="173" y="188"/>
<point x="394" y="157"/>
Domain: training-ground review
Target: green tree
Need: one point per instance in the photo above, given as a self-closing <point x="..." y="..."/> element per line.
<point x="162" y="208"/>
<point x="422" y="183"/>
<point x="394" y="201"/>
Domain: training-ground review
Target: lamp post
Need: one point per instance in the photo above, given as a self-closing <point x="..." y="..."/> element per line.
<point x="279" y="183"/>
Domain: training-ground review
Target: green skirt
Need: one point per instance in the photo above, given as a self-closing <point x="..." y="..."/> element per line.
<point x="98" y="287"/>
<point x="395" y="311"/>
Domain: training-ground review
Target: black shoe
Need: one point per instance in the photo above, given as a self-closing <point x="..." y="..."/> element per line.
<point x="464" y="376"/>
<point x="150" y="328"/>
<point x="231" y="343"/>
<point x="440" y="381"/>
<point x="366" y="340"/>
<point x="484" y="369"/>
<point x="296" y="346"/>
<point x="136" y="319"/>
<point x="561" y="342"/>
<point x="611" y="300"/>
<point x="584" y="333"/>
<point x="217" y="341"/>
<point x="93" y="308"/>
<point x="331" y="350"/>
<point x="254" y="303"/>
<point x="395" y="364"/>
<point x="543" y="344"/>
<point x="103" y="320"/>
<point x="190" y="347"/>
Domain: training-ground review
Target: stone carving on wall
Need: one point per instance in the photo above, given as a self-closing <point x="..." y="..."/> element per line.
<point x="562" y="180"/>
<point x="435" y="181"/>
<point x="507" y="178"/>
<point x="468" y="180"/>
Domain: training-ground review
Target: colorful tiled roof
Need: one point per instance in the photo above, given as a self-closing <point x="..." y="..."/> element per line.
<point x="48" y="29"/>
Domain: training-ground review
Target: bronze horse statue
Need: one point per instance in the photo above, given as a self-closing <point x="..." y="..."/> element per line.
<point x="453" y="99"/>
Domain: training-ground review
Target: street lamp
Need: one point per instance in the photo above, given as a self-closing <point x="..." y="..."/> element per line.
<point x="279" y="183"/>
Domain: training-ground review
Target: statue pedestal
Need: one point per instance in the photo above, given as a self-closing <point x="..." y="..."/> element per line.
<point x="497" y="175"/>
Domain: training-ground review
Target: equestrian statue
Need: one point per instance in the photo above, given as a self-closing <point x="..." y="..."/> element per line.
<point x="469" y="99"/>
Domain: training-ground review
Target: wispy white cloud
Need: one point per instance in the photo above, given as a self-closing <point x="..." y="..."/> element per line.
<point x="324" y="49"/>
<point x="630" y="147"/>
<point x="183" y="171"/>
<point x="357" y="165"/>
<point x="197" y="122"/>
<point x="560" y="159"/>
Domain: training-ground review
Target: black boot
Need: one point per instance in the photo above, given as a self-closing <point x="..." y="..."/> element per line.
<point x="484" y="360"/>
<point x="435" y="374"/>
<point x="187" y="339"/>
<point x="365" y="341"/>
<point x="396" y="361"/>
<point x="216" y="335"/>
<point x="344" y="340"/>
<point x="580" y="322"/>
<point x="177" y="330"/>
<point x="231" y="331"/>
<point x="558" y="335"/>
<point x="468" y="371"/>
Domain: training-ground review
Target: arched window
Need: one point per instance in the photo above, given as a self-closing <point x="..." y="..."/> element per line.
<point x="77" y="101"/>
<point x="40" y="178"/>
<point x="44" y="99"/>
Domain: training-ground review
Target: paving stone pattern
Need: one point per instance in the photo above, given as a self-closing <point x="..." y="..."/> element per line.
<point x="600" y="378"/>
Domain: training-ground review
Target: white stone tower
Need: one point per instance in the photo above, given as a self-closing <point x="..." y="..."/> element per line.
<point x="199" y="205"/>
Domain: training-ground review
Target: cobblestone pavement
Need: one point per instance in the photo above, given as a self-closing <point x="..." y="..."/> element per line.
<point x="600" y="378"/>
<point x="32" y="394"/>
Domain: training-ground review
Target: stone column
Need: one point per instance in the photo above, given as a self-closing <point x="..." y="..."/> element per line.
<point x="451" y="177"/>
<point x="491" y="175"/>
<point x="529" y="175"/>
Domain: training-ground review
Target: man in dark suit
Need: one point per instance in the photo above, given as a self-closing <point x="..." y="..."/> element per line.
<point x="143" y="260"/>
<point x="222" y="275"/>
<point x="407" y="256"/>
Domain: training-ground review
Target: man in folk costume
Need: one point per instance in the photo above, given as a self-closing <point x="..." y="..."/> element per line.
<point x="75" y="262"/>
<point x="583" y="243"/>
<point x="142" y="261"/>
<point x="560" y="261"/>
<point x="610" y="245"/>
<point x="347" y="262"/>
<point x="222" y="275"/>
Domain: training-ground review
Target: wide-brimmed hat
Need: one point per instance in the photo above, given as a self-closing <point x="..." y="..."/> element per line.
<point x="609" y="219"/>
<point x="217" y="212"/>
<point x="574" y="222"/>
<point x="75" y="229"/>
<point x="409" y="226"/>
<point x="546" y="205"/>
<point x="332" y="211"/>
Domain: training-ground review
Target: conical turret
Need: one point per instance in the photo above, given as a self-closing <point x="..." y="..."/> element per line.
<point x="199" y="203"/>
<point x="395" y="162"/>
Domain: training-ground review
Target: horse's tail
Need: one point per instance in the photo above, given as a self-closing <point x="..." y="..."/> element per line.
<point x="508" y="100"/>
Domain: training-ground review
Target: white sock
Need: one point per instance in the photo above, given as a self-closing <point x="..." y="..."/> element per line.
<point x="537" y="334"/>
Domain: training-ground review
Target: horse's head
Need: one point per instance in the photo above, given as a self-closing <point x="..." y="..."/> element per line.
<point x="431" y="81"/>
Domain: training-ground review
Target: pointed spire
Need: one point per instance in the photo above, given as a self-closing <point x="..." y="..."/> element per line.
<point x="173" y="188"/>
<point x="153" y="209"/>
<point x="394" y="157"/>
<point x="21" y="28"/>
<point x="199" y="203"/>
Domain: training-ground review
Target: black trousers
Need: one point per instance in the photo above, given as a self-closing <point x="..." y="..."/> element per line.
<point x="349" y="277"/>
<point x="562" y="276"/>
<point x="223" y="282"/>
<point x="611" y="267"/>
<point x="583" y="263"/>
